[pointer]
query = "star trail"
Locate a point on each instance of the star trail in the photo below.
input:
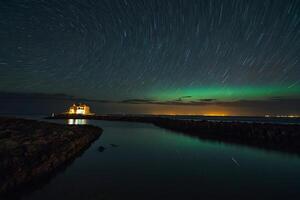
(185, 54)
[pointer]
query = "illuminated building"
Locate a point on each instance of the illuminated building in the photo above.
(79, 109)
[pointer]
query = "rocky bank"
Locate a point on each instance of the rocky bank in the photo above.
(31, 150)
(280, 137)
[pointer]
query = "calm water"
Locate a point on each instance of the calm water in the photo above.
(153, 163)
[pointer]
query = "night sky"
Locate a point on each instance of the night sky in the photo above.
(232, 57)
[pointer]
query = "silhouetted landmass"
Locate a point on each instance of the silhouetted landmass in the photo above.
(281, 137)
(31, 150)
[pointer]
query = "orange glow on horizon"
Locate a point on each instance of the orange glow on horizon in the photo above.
(211, 110)
(200, 114)
(216, 114)
(191, 112)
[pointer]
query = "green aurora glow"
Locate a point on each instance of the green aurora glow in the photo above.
(228, 93)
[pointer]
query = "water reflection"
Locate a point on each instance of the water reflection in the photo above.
(77, 121)
(154, 163)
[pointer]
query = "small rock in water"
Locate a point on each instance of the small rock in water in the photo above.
(114, 145)
(101, 149)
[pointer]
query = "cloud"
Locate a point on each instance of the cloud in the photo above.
(272, 104)
(45, 96)
(13, 95)
(275, 102)
(207, 100)
(137, 101)
(182, 98)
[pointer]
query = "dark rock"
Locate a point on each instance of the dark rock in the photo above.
(101, 148)
(281, 137)
(31, 150)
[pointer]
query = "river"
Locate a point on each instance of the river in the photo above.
(141, 161)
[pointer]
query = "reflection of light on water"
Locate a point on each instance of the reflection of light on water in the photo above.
(77, 121)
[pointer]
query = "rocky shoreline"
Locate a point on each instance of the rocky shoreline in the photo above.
(31, 150)
(280, 137)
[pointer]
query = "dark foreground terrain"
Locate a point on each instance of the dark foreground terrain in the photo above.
(31, 150)
(280, 137)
